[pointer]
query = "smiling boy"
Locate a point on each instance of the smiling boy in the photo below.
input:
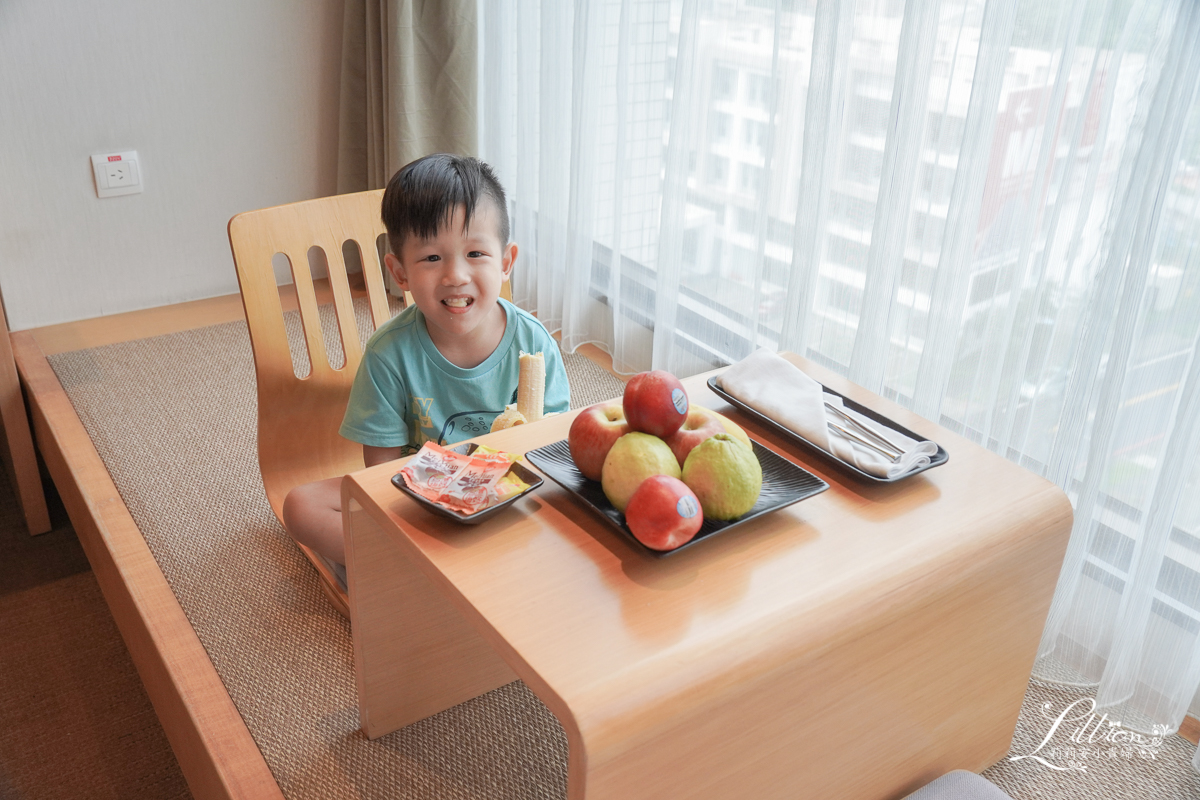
(447, 365)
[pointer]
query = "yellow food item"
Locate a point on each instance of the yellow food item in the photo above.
(531, 386)
(508, 486)
(509, 418)
(725, 475)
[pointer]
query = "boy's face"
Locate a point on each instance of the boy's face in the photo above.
(455, 276)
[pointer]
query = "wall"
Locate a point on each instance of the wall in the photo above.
(231, 105)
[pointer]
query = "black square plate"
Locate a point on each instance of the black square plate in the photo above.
(784, 483)
(520, 470)
(936, 460)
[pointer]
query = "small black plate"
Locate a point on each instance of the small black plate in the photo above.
(936, 460)
(524, 473)
(784, 483)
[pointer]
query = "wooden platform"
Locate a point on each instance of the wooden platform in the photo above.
(214, 748)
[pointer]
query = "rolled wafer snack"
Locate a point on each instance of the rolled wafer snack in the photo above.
(531, 394)
(531, 386)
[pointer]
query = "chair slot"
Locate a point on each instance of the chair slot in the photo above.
(332, 336)
(306, 303)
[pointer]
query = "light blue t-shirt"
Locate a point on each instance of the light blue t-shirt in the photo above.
(406, 393)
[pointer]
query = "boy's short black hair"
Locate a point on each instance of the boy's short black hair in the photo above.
(423, 195)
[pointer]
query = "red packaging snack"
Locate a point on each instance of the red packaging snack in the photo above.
(465, 484)
(471, 488)
(430, 471)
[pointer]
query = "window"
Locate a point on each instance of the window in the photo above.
(691, 245)
(718, 170)
(848, 253)
(781, 231)
(851, 210)
(719, 125)
(754, 134)
(869, 116)
(937, 182)
(928, 230)
(746, 220)
(863, 165)
(983, 286)
(944, 132)
(752, 178)
(842, 296)
(725, 81)
(717, 208)
(758, 90)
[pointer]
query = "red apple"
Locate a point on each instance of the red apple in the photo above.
(655, 403)
(699, 425)
(593, 434)
(663, 513)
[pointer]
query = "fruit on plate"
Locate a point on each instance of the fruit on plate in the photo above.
(725, 475)
(700, 424)
(655, 403)
(635, 457)
(592, 435)
(733, 429)
(663, 513)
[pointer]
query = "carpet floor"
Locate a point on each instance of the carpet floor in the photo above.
(174, 419)
(75, 721)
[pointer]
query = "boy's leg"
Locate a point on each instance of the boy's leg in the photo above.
(312, 515)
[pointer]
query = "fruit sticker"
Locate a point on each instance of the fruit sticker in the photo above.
(687, 507)
(679, 400)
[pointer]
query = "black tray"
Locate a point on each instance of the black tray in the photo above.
(524, 473)
(784, 483)
(936, 460)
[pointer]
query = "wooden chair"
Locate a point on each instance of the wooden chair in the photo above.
(298, 418)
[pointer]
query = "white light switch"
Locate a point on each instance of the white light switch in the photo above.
(117, 173)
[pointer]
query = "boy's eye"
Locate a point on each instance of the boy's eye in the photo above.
(432, 258)
(476, 254)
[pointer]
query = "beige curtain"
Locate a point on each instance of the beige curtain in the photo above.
(408, 86)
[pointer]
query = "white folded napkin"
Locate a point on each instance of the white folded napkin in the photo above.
(777, 389)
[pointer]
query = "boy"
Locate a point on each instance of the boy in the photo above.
(445, 367)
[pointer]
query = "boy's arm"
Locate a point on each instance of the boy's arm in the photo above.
(379, 455)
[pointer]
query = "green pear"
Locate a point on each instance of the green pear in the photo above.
(725, 475)
(633, 458)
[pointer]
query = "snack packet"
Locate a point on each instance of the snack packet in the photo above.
(471, 488)
(431, 470)
(508, 485)
(466, 484)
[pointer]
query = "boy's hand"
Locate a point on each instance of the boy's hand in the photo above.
(373, 456)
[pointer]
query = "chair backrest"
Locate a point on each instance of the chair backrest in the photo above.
(298, 418)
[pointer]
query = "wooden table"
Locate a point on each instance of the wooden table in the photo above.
(857, 644)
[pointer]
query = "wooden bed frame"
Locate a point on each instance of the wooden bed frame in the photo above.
(218, 757)
(216, 753)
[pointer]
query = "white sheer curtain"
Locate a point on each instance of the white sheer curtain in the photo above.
(987, 210)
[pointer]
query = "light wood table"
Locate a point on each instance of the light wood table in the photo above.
(856, 644)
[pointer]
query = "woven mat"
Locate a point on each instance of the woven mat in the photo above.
(173, 417)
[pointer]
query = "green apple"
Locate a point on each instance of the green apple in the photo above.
(725, 475)
(634, 457)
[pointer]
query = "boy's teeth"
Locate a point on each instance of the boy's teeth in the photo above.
(457, 302)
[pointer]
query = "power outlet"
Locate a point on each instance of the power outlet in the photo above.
(117, 173)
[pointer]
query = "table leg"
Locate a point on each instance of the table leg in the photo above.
(414, 654)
